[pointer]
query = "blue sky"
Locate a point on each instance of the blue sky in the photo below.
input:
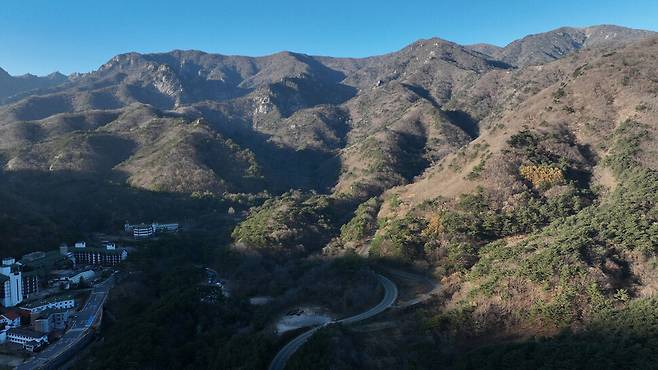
(41, 36)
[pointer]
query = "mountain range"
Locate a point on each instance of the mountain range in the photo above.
(190, 121)
(522, 177)
(15, 85)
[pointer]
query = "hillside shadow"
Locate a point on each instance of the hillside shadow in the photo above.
(322, 71)
(604, 347)
(458, 118)
(111, 149)
(464, 121)
(412, 162)
(41, 209)
(583, 177)
(293, 94)
(283, 167)
(286, 168)
(423, 93)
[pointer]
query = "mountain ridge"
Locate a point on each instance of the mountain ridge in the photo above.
(13, 85)
(548, 46)
(282, 107)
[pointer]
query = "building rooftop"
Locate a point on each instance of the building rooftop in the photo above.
(46, 301)
(46, 259)
(67, 274)
(26, 333)
(11, 315)
(100, 250)
(33, 256)
(49, 311)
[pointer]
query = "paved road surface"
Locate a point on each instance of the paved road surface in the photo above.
(80, 327)
(390, 295)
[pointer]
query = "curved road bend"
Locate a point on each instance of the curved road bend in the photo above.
(390, 295)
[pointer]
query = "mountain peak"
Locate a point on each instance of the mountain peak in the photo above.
(612, 34)
(4, 74)
(545, 47)
(56, 75)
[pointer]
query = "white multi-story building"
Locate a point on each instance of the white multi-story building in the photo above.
(148, 230)
(11, 283)
(143, 231)
(64, 302)
(165, 228)
(108, 255)
(22, 336)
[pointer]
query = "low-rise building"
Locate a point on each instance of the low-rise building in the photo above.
(10, 319)
(87, 276)
(33, 346)
(62, 302)
(64, 279)
(42, 325)
(50, 319)
(22, 336)
(165, 228)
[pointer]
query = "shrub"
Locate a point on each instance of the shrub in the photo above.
(477, 170)
(559, 93)
(401, 238)
(363, 223)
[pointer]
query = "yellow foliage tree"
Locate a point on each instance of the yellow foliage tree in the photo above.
(542, 174)
(434, 226)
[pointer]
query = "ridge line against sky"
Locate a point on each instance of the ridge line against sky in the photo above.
(44, 36)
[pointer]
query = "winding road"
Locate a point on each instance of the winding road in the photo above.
(390, 295)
